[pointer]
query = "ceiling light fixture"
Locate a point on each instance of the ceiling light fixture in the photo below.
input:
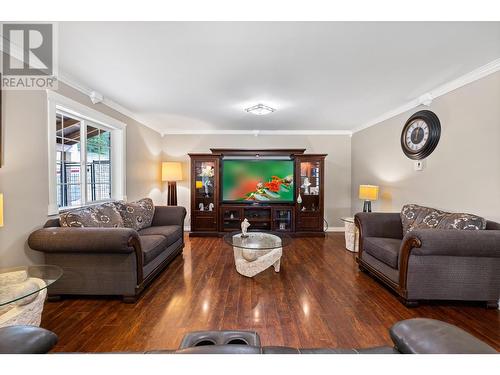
(260, 109)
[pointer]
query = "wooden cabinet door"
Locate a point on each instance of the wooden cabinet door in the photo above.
(204, 223)
(309, 185)
(204, 192)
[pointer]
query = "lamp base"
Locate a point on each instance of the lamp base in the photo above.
(172, 193)
(367, 206)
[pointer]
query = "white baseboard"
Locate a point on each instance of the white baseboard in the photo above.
(336, 229)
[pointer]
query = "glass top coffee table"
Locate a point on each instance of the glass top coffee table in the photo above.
(258, 251)
(21, 282)
(23, 291)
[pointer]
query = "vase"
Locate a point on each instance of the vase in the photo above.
(299, 199)
(206, 183)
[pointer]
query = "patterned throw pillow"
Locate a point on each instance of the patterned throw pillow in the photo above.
(418, 217)
(137, 215)
(101, 216)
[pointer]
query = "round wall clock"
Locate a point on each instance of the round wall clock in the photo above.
(420, 135)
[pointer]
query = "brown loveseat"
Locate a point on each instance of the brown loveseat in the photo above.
(427, 263)
(110, 261)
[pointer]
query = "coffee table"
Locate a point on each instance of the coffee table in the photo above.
(258, 251)
(23, 291)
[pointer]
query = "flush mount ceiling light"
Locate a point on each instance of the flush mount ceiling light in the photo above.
(260, 109)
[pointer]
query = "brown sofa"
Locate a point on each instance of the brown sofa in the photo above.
(411, 336)
(110, 261)
(431, 264)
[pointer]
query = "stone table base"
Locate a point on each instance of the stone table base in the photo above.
(263, 260)
(26, 311)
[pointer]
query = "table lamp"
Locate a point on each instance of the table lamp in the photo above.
(368, 193)
(171, 171)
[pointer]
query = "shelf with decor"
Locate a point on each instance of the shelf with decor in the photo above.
(283, 219)
(204, 194)
(310, 193)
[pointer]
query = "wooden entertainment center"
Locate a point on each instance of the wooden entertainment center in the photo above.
(211, 216)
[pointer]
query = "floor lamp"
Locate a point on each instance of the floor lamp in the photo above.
(171, 172)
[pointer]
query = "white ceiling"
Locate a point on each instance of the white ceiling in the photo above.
(199, 76)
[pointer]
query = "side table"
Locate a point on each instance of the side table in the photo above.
(351, 234)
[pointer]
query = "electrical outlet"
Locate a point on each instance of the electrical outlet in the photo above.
(419, 165)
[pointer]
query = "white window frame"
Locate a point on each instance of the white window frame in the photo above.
(57, 102)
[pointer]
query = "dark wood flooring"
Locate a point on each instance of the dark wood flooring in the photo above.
(319, 299)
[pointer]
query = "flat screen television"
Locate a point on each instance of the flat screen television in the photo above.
(257, 181)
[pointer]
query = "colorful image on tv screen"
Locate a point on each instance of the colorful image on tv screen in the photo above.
(257, 180)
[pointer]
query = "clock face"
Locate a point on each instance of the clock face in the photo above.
(420, 135)
(417, 135)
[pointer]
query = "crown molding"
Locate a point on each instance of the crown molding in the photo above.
(476, 74)
(119, 108)
(424, 99)
(107, 102)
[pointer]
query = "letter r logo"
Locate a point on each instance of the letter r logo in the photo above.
(28, 49)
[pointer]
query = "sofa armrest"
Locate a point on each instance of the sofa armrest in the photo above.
(84, 240)
(430, 336)
(461, 243)
(26, 340)
(379, 224)
(169, 215)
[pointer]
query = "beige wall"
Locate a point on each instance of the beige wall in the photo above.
(24, 173)
(337, 165)
(462, 174)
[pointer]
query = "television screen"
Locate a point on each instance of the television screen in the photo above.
(257, 181)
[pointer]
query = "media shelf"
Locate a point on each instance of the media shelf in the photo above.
(211, 216)
(276, 218)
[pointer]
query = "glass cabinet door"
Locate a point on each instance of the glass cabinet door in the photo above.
(283, 219)
(309, 189)
(204, 185)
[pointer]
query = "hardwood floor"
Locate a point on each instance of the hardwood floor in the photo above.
(319, 299)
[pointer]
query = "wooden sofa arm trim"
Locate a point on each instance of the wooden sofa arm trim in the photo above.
(360, 237)
(404, 258)
(136, 244)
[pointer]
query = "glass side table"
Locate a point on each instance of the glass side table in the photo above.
(23, 291)
(351, 234)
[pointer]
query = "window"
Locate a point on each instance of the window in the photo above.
(86, 153)
(83, 153)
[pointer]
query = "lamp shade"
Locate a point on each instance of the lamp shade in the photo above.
(171, 171)
(1, 210)
(368, 192)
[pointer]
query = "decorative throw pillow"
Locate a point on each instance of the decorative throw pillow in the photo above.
(137, 215)
(102, 216)
(418, 217)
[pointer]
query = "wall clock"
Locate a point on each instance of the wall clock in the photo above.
(420, 135)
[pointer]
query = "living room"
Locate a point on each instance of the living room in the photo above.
(258, 187)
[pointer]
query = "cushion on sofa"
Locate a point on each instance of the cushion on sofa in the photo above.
(102, 216)
(171, 232)
(418, 217)
(384, 249)
(152, 246)
(137, 215)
